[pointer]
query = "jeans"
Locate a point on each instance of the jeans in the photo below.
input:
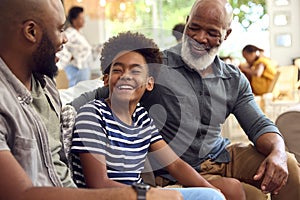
(76, 75)
(199, 193)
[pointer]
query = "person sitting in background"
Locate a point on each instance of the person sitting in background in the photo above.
(122, 130)
(76, 57)
(259, 69)
(177, 31)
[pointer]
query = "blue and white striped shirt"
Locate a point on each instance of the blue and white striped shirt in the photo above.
(98, 130)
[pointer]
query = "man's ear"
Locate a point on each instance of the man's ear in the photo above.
(150, 83)
(30, 30)
(227, 33)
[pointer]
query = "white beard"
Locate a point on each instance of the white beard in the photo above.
(198, 62)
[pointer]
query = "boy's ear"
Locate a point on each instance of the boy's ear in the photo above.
(105, 79)
(150, 83)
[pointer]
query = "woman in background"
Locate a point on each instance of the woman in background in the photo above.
(76, 56)
(259, 69)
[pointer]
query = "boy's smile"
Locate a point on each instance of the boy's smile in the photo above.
(129, 78)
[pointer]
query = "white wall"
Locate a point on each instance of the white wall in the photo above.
(94, 30)
(285, 55)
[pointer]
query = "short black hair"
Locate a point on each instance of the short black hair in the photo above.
(74, 12)
(177, 31)
(128, 41)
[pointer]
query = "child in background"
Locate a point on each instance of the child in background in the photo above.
(259, 69)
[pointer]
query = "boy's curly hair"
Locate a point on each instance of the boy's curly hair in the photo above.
(128, 41)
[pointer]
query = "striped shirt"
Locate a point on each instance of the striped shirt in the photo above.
(98, 130)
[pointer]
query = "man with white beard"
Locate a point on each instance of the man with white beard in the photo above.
(204, 58)
(194, 94)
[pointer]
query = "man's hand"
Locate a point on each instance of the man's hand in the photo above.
(273, 171)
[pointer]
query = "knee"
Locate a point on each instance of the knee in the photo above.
(230, 187)
(231, 182)
(235, 184)
(235, 189)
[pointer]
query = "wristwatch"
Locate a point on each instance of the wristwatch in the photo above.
(141, 189)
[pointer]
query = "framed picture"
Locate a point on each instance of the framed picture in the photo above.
(281, 2)
(283, 40)
(281, 18)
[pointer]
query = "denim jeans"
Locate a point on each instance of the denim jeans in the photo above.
(199, 193)
(76, 75)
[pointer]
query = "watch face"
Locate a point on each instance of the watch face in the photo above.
(141, 186)
(141, 190)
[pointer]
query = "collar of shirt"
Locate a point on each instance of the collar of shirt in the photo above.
(24, 95)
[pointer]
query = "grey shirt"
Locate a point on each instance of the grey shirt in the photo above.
(189, 109)
(23, 132)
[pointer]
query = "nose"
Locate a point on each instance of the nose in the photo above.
(201, 37)
(126, 76)
(65, 38)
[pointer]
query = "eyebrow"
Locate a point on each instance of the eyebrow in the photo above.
(132, 65)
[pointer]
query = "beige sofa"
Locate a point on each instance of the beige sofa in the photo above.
(289, 125)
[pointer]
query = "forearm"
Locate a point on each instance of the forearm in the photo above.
(186, 175)
(52, 193)
(270, 143)
(105, 184)
(246, 70)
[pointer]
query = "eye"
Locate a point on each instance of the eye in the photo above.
(213, 34)
(136, 71)
(116, 70)
(63, 27)
(193, 28)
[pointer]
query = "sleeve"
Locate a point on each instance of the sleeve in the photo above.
(155, 134)
(89, 135)
(249, 115)
(270, 69)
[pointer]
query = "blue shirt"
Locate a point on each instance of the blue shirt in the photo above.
(98, 130)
